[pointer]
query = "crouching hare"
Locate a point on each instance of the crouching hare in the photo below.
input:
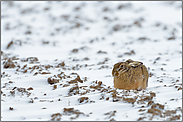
(130, 75)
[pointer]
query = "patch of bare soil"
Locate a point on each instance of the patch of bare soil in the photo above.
(19, 91)
(85, 100)
(110, 114)
(67, 112)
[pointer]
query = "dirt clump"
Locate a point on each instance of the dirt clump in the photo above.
(132, 52)
(158, 106)
(86, 59)
(176, 117)
(124, 6)
(20, 91)
(62, 64)
(3, 75)
(71, 111)
(56, 117)
(140, 110)
(9, 64)
(82, 99)
(31, 101)
(103, 62)
(143, 39)
(30, 88)
(105, 9)
(75, 50)
(171, 38)
(10, 108)
(73, 91)
(48, 66)
(52, 80)
(54, 87)
(31, 60)
(150, 103)
(9, 45)
(78, 79)
(129, 100)
(117, 27)
(96, 87)
(110, 114)
(140, 118)
(43, 73)
(28, 32)
(169, 112)
(102, 52)
(85, 100)
(151, 74)
(154, 111)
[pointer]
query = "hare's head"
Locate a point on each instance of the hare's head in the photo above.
(122, 67)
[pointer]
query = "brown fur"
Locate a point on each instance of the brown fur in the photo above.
(130, 77)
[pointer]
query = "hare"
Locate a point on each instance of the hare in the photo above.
(130, 75)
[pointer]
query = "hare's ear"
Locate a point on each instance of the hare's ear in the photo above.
(135, 64)
(117, 65)
(129, 61)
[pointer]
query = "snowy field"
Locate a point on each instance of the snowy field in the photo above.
(57, 60)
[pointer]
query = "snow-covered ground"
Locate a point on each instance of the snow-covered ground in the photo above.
(57, 60)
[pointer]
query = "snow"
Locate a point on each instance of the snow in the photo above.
(57, 28)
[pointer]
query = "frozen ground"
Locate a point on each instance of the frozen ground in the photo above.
(57, 59)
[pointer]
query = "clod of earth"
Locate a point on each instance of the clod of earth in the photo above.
(56, 117)
(10, 108)
(9, 45)
(9, 64)
(30, 88)
(102, 52)
(52, 80)
(74, 90)
(78, 79)
(75, 50)
(111, 113)
(130, 53)
(82, 99)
